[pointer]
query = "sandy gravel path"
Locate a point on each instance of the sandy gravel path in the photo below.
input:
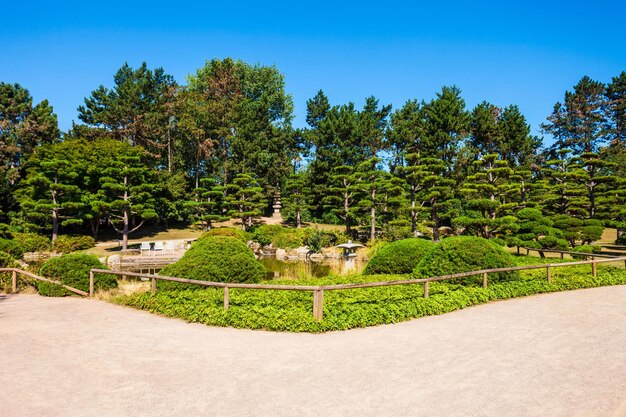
(551, 355)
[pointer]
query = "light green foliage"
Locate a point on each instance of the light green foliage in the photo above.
(291, 311)
(12, 247)
(32, 242)
(68, 244)
(228, 231)
(465, 254)
(216, 258)
(400, 257)
(73, 271)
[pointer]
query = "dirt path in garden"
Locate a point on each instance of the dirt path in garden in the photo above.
(553, 355)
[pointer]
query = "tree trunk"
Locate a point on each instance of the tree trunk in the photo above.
(125, 229)
(413, 214)
(346, 207)
(55, 223)
(298, 220)
(435, 220)
(373, 217)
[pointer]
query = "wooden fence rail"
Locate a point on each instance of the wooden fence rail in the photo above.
(16, 271)
(565, 252)
(318, 290)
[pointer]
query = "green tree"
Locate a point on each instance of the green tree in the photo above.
(137, 110)
(296, 195)
(487, 194)
(379, 191)
(127, 188)
(580, 122)
(23, 127)
(405, 133)
(342, 194)
(244, 199)
(52, 194)
(446, 126)
(208, 204)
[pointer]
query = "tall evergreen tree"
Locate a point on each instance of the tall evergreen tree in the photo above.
(580, 122)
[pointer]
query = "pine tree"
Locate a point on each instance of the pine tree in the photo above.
(208, 203)
(244, 199)
(379, 191)
(295, 196)
(487, 193)
(343, 194)
(52, 194)
(127, 189)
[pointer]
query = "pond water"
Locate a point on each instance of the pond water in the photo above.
(288, 269)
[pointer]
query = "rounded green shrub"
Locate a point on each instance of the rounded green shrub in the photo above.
(69, 244)
(32, 242)
(227, 231)
(398, 257)
(73, 271)
(464, 254)
(7, 261)
(12, 247)
(215, 258)
(590, 249)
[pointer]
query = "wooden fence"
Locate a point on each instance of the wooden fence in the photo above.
(564, 252)
(16, 271)
(318, 290)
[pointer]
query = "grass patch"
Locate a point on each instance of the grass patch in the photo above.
(292, 311)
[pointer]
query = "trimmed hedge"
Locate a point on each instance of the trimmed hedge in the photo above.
(291, 310)
(216, 258)
(464, 254)
(32, 242)
(73, 270)
(12, 247)
(69, 244)
(227, 231)
(399, 257)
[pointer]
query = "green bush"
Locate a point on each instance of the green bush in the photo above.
(32, 242)
(228, 231)
(7, 261)
(591, 249)
(265, 234)
(216, 258)
(73, 271)
(291, 310)
(464, 254)
(399, 257)
(69, 244)
(12, 247)
(318, 238)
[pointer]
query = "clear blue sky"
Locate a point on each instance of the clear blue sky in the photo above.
(525, 53)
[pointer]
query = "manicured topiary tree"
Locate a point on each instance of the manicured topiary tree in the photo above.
(227, 231)
(399, 257)
(73, 271)
(216, 258)
(464, 254)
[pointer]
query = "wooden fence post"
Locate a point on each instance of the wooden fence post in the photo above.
(14, 282)
(484, 280)
(226, 298)
(549, 273)
(561, 255)
(91, 279)
(425, 289)
(153, 286)
(594, 267)
(318, 304)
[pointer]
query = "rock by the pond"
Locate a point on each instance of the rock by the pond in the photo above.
(281, 253)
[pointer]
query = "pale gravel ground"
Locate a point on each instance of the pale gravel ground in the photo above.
(552, 355)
